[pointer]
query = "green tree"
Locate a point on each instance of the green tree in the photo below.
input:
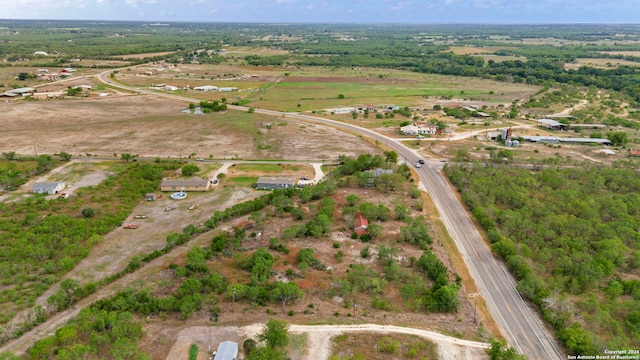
(73, 91)
(618, 138)
(305, 256)
(267, 353)
(391, 156)
(275, 334)
(352, 199)
(401, 212)
(577, 339)
(389, 182)
(285, 292)
(190, 169)
(374, 230)
(88, 212)
(504, 154)
(500, 351)
(126, 157)
(9, 155)
(65, 155)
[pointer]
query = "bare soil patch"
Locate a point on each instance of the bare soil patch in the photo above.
(599, 63)
(151, 127)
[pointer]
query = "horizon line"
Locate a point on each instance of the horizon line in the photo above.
(331, 23)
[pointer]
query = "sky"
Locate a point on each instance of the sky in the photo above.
(329, 11)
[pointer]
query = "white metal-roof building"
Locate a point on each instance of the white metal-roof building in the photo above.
(556, 139)
(551, 124)
(206, 88)
(21, 91)
(227, 350)
(47, 187)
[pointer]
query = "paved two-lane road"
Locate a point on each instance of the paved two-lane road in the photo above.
(520, 325)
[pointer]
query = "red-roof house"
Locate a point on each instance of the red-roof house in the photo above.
(361, 224)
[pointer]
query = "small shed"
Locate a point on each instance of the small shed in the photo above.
(379, 171)
(227, 350)
(273, 183)
(150, 197)
(361, 224)
(47, 187)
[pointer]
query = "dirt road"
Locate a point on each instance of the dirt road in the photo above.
(319, 339)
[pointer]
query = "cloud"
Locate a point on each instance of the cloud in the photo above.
(134, 3)
(400, 5)
(486, 3)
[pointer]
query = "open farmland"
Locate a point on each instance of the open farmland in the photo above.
(437, 78)
(150, 127)
(603, 63)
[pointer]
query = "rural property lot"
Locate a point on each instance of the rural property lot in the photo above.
(151, 127)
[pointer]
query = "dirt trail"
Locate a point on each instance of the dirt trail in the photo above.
(319, 173)
(319, 339)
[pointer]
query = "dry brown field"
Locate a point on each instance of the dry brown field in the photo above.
(624, 53)
(151, 127)
(599, 63)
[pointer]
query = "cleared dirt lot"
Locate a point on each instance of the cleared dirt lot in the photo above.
(147, 126)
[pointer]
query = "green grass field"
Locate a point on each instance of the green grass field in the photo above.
(240, 180)
(266, 168)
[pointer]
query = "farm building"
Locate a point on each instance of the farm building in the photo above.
(227, 89)
(551, 124)
(206, 88)
(556, 140)
(273, 183)
(48, 95)
(150, 197)
(587, 126)
(227, 350)
(24, 91)
(47, 187)
(345, 110)
(185, 185)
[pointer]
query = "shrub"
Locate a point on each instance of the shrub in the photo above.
(388, 345)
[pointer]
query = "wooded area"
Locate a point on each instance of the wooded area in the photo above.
(570, 236)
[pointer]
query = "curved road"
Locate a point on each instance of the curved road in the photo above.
(520, 325)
